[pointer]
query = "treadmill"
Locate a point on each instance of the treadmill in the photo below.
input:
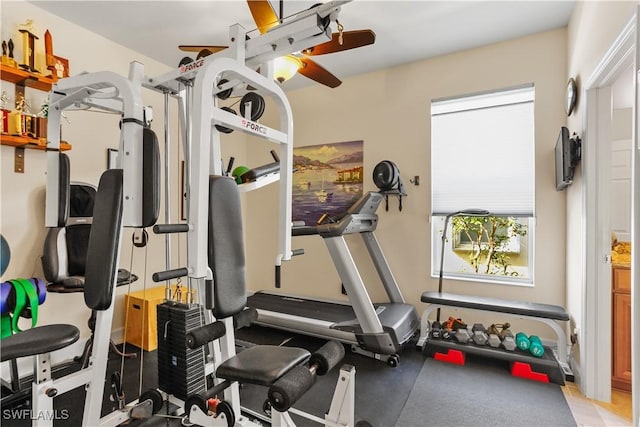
(375, 330)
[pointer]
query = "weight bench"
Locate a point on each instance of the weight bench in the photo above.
(546, 313)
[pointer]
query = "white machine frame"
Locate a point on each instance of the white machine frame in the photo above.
(111, 92)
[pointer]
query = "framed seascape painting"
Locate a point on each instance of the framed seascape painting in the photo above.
(327, 180)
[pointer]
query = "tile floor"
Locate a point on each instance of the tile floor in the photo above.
(592, 413)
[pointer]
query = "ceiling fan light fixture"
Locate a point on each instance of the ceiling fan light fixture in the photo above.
(285, 67)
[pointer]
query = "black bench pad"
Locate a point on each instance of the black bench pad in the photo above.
(523, 308)
(262, 364)
(39, 340)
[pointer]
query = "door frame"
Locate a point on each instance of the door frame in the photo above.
(595, 351)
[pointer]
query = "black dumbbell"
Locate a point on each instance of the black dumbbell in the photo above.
(436, 330)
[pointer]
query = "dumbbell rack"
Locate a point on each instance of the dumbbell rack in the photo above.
(545, 368)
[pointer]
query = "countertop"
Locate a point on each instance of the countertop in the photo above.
(621, 255)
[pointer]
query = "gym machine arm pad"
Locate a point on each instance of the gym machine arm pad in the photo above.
(285, 392)
(205, 334)
(161, 276)
(170, 228)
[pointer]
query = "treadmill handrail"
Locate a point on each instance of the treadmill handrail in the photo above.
(349, 224)
(360, 218)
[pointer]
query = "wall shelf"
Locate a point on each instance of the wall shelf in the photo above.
(27, 142)
(25, 78)
(22, 79)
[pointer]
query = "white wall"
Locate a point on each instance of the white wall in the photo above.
(621, 149)
(592, 29)
(389, 111)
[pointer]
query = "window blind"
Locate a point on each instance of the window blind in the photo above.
(482, 153)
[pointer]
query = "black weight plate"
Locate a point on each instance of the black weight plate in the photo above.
(226, 409)
(225, 93)
(197, 400)
(225, 129)
(155, 396)
(184, 61)
(257, 105)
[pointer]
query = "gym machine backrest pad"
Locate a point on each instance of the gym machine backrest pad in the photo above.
(150, 178)
(63, 186)
(102, 253)
(226, 249)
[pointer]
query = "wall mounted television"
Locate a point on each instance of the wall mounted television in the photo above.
(567, 156)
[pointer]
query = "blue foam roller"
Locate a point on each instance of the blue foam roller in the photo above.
(5, 254)
(5, 291)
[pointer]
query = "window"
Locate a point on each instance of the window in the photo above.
(482, 185)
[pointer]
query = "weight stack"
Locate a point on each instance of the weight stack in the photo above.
(180, 369)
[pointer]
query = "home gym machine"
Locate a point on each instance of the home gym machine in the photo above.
(128, 197)
(214, 240)
(374, 330)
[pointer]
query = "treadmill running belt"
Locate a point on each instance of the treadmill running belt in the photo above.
(307, 308)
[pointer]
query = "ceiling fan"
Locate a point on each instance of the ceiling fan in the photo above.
(266, 18)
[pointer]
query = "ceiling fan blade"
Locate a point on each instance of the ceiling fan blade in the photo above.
(314, 71)
(263, 14)
(198, 48)
(350, 40)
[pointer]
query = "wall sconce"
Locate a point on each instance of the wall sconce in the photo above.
(285, 67)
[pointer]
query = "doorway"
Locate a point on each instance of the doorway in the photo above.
(596, 350)
(620, 180)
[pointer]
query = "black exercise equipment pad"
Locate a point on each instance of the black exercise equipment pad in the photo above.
(76, 284)
(522, 308)
(262, 365)
(40, 340)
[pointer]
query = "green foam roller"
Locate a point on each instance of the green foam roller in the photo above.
(238, 172)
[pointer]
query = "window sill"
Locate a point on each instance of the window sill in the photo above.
(525, 283)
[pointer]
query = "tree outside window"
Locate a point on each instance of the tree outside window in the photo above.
(488, 242)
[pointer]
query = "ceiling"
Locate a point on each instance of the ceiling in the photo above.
(406, 31)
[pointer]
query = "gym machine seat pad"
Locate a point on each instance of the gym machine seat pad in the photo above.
(40, 340)
(258, 366)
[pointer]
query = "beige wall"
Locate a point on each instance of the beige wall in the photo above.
(389, 110)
